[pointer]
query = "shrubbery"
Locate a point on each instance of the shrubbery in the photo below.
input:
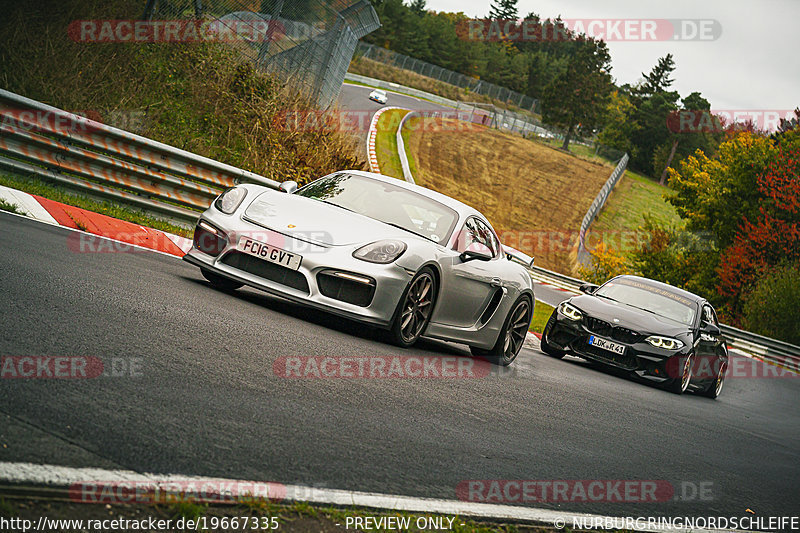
(772, 308)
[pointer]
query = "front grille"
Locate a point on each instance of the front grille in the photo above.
(265, 269)
(601, 327)
(605, 329)
(346, 290)
(625, 361)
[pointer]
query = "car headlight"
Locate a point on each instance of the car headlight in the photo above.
(570, 311)
(230, 200)
(381, 251)
(668, 343)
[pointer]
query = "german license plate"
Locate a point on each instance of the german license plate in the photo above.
(607, 345)
(269, 253)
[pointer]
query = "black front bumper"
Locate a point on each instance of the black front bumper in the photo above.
(640, 357)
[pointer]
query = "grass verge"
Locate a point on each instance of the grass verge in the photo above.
(582, 151)
(57, 194)
(11, 208)
(296, 517)
(534, 196)
(541, 313)
(386, 143)
(206, 98)
(619, 223)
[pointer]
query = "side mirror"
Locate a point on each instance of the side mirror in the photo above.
(588, 288)
(288, 186)
(710, 329)
(470, 255)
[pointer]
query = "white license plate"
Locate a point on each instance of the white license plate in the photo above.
(269, 253)
(607, 345)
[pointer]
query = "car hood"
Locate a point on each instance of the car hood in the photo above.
(317, 222)
(629, 317)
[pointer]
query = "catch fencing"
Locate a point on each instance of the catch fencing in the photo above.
(99, 160)
(309, 45)
(496, 92)
(502, 119)
(597, 205)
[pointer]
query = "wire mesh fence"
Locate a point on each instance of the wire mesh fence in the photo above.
(308, 43)
(496, 92)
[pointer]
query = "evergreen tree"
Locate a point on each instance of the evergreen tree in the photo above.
(503, 10)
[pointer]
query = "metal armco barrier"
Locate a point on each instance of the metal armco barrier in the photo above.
(597, 205)
(89, 156)
(401, 148)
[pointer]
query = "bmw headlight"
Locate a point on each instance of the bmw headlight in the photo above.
(570, 311)
(381, 251)
(668, 343)
(230, 200)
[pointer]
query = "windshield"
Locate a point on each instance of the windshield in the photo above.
(385, 202)
(654, 299)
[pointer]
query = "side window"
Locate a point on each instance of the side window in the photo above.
(476, 236)
(709, 315)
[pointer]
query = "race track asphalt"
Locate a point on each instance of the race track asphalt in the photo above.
(206, 401)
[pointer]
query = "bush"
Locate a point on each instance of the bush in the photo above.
(605, 264)
(205, 98)
(771, 308)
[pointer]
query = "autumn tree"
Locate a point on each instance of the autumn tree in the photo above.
(576, 99)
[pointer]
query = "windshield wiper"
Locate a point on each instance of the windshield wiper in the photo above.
(606, 297)
(333, 204)
(398, 226)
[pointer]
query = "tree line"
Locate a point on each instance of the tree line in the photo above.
(569, 73)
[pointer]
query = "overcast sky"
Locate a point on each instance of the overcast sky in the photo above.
(754, 65)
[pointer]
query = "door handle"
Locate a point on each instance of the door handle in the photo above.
(496, 282)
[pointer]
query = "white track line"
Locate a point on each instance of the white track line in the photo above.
(64, 476)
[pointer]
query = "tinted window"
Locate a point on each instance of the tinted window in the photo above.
(385, 202)
(654, 299)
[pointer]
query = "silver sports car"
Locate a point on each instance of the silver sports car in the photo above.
(373, 249)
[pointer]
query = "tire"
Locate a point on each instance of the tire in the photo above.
(414, 309)
(512, 336)
(714, 388)
(679, 384)
(220, 282)
(547, 348)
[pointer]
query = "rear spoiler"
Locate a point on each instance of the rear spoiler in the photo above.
(512, 254)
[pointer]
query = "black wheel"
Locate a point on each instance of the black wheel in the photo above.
(414, 309)
(714, 388)
(680, 383)
(220, 282)
(511, 337)
(547, 348)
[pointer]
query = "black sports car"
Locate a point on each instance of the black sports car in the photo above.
(655, 331)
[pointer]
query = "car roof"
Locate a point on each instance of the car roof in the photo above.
(463, 209)
(664, 286)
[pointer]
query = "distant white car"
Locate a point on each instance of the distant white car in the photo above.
(378, 95)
